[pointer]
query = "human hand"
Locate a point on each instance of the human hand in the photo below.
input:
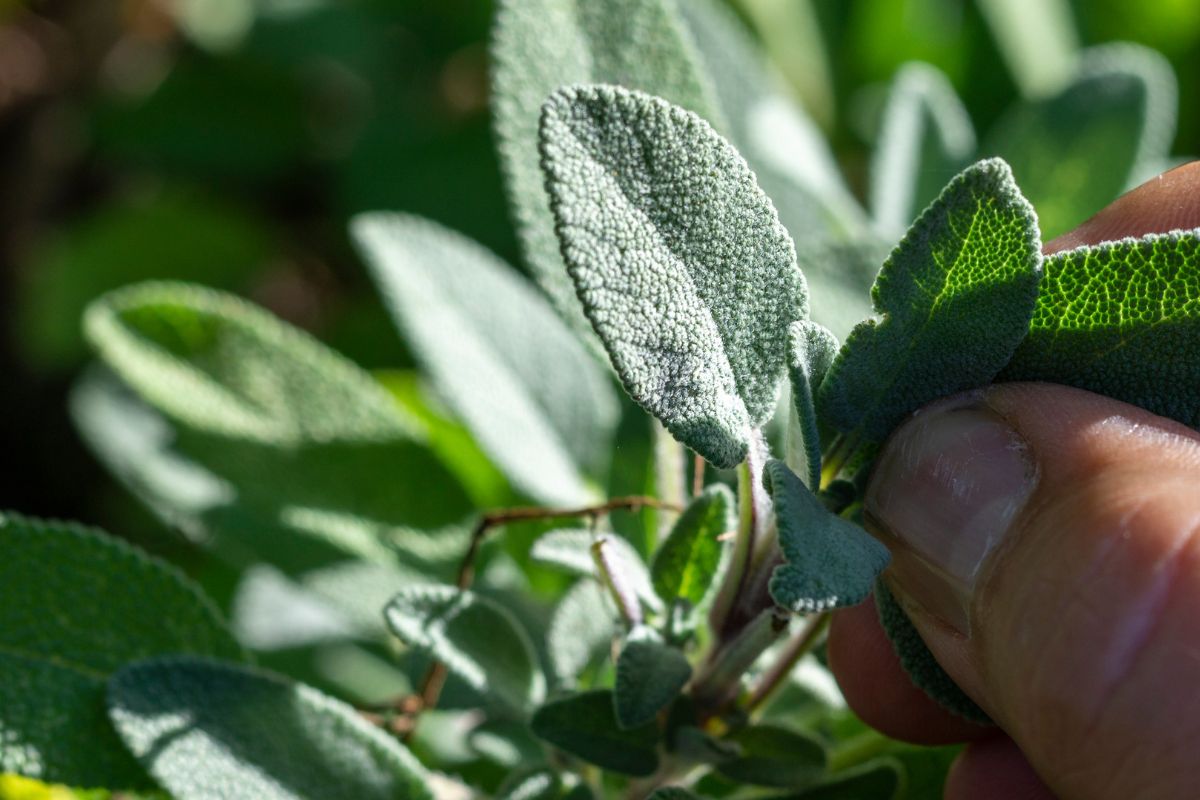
(1045, 545)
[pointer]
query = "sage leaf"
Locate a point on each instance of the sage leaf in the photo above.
(1119, 112)
(477, 639)
(1037, 40)
(878, 779)
(956, 297)
(672, 793)
(581, 630)
(771, 755)
(650, 675)
(686, 563)
(208, 729)
(922, 668)
(75, 605)
(585, 725)
(673, 249)
(497, 352)
(926, 138)
(540, 45)
(812, 351)
(571, 549)
(830, 561)
(1121, 319)
(300, 456)
(537, 783)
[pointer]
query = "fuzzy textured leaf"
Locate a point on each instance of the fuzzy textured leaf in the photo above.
(679, 259)
(296, 452)
(956, 297)
(208, 729)
(477, 639)
(830, 561)
(686, 563)
(650, 676)
(571, 549)
(540, 45)
(581, 629)
(585, 725)
(497, 352)
(812, 350)
(926, 139)
(75, 605)
(771, 755)
(919, 663)
(1118, 112)
(1121, 319)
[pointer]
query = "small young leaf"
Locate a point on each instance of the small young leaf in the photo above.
(1121, 319)
(812, 350)
(208, 729)
(585, 725)
(919, 663)
(497, 352)
(774, 756)
(831, 562)
(571, 549)
(686, 563)
(536, 783)
(540, 45)
(674, 250)
(1118, 112)
(581, 630)
(650, 676)
(75, 605)
(957, 294)
(477, 639)
(879, 779)
(925, 140)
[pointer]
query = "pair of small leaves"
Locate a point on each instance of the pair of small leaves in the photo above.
(673, 249)
(497, 352)
(477, 639)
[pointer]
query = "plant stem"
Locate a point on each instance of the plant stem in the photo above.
(752, 508)
(716, 686)
(613, 579)
(801, 643)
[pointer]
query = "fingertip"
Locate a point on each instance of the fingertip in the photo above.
(994, 769)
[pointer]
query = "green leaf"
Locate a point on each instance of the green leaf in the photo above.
(925, 140)
(1121, 319)
(497, 353)
(674, 251)
(571, 549)
(538, 783)
(919, 663)
(956, 296)
(831, 562)
(75, 605)
(686, 563)
(1037, 39)
(506, 742)
(585, 725)
(879, 779)
(298, 454)
(812, 350)
(581, 630)
(650, 676)
(477, 639)
(774, 756)
(208, 729)
(540, 45)
(1118, 112)
(672, 793)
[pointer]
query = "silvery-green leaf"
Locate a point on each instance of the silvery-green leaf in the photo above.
(75, 605)
(955, 296)
(571, 549)
(830, 561)
(878, 779)
(536, 783)
(812, 349)
(1037, 39)
(771, 755)
(1076, 151)
(477, 639)
(925, 140)
(686, 563)
(679, 259)
(209, 729)
(585, 725)
(540, 45)
(581, 630)
(534, 398)
(650, 675)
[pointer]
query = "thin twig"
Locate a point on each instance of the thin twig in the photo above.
(801, 643)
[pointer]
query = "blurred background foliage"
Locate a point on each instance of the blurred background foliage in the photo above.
(227, 142)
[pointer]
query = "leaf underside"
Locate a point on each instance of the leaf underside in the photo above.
(812, 351)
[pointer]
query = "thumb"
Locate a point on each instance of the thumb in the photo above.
(1044, 543)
